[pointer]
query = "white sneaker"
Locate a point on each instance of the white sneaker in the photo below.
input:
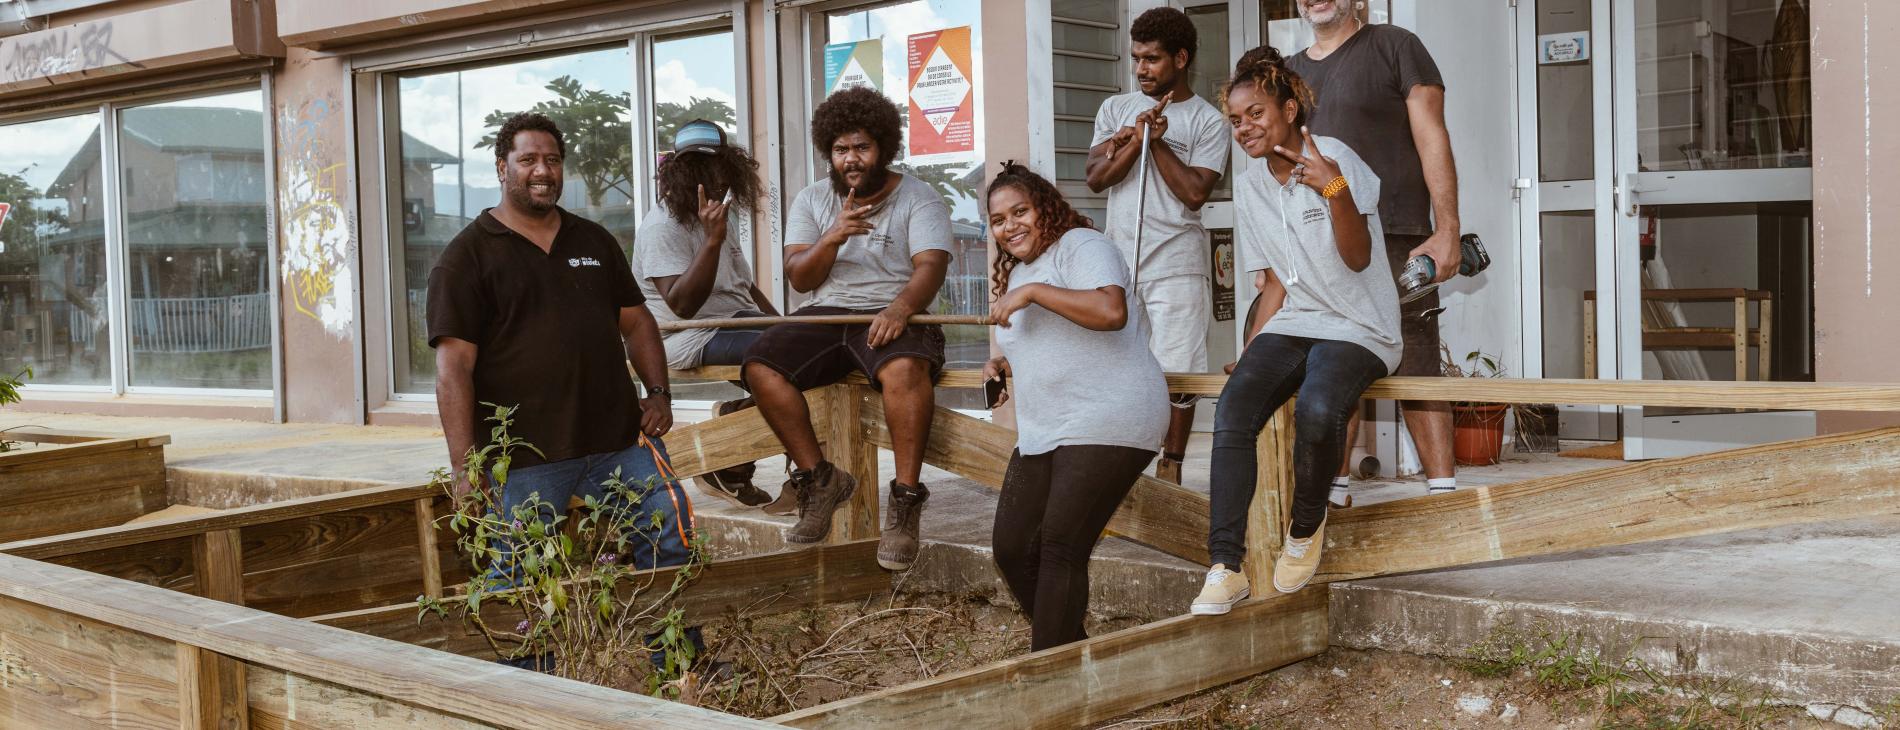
(1222, 589)
(1339, 497)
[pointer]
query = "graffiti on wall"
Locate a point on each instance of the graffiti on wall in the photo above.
(316, 224)
(71, 49)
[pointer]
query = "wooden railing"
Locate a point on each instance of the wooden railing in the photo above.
(356, 560)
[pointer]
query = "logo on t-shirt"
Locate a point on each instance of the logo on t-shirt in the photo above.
(1312, 215)
(582, 261)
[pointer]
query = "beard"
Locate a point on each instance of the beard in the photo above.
(518, 193)
(874, 180)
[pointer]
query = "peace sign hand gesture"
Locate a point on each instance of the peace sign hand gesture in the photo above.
(1314, 172)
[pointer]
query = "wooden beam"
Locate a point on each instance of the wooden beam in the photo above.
(1831, 477)
(61, 489)
(840, 319)
(211, 691)
(469, 689)
(849, 449)
(110, 537)
(431, 555)
(1099, 678)
(737, 438)
(218, 559)
(1272, 508)
(771, 583)
(1155, 513)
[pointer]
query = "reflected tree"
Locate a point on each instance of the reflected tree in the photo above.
(668, 117)
(599, 132)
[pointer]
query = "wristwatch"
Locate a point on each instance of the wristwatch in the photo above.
(660, 391)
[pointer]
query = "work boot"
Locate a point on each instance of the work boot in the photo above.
(897, 546)
(787, 502)
(821, 492)
(1299, 561)
(1219, 592)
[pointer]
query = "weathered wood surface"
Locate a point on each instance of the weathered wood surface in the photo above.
(762, 584)
(1098, 678)
(63, 670)
(331, 562)
(366, 666)
(211, 691)
(848, 449)
(33, 435)
(1155, 513)
(761, 322)
(1831, 477)
(1271, 511)
(79, 486)
(1678, 393)
(737, 438)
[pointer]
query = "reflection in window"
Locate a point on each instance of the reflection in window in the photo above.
(448, 120)
(1723, 85)
(196, 235)
(52, 253)
(1212, 63)
(955, 175)
(1087, 44)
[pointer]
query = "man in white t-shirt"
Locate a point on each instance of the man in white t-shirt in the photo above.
(689, 261)
(1187, 145)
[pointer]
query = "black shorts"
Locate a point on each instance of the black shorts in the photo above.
(816, 355)
(1420, 334)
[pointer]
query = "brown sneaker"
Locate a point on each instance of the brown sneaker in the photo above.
(733, 484)
(787, 502)
(897, 547)
(823, 491)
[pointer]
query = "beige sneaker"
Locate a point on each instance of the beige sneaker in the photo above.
(1223, 589)
(1298, 561)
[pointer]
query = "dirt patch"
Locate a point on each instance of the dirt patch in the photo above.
(1346, 688)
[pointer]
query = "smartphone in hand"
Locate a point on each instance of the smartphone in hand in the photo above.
(993, 391)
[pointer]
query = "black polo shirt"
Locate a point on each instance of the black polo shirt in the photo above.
(547, 331)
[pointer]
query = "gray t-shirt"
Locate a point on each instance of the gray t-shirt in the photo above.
(1172, 239)
(1289, 228)
(1074, 385)
(871, 269)
(662, 248)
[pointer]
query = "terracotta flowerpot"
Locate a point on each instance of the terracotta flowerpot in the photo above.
(1477, 433)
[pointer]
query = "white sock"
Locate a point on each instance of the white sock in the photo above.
(1339, 493)
(1441, 484)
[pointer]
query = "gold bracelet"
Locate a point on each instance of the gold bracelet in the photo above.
(1333, 188)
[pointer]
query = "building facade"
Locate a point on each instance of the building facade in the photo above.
(230, 208)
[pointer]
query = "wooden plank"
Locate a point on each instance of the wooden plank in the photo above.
(413, 676)
(57, 436)
(331, 562)
(90, 540)
(211, 692)
(1831, 477)
(759, 322)
(73, 451)
(62, 670)
(280, 700)
(849, 449)
(80, 491)
(428, 552)
(1099, 678)
(167, 564)
(1155, 513)
(1741, 341)
(1765, 341)
(1272, 508)
(735, 438)
(1694, 295)
(218, 559)
(771, 583)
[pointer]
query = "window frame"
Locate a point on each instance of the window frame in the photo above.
(117, 252)
(373, 80)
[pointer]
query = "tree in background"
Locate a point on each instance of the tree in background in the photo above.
(598, 130)
(668, 117)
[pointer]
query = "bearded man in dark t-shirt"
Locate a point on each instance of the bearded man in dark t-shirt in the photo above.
(1379, 91)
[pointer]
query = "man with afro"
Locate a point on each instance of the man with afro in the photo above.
(865, 240)
(1187, 150)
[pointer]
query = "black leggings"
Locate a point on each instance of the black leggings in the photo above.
(1051, 513)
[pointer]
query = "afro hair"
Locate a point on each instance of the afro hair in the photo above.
(859, 109)
(1168, 26)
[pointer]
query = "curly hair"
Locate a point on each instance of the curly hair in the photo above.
(859, 109)
(524, 122)
(1266, 69)
(1054, 217)
(1168, 26)
(727, 167)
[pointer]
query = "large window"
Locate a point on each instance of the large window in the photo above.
(901, 36)
(53, 303)
(144, 263)
(1088, 44)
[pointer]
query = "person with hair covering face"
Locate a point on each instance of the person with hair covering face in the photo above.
(691, 265)
(1327, 325)
(1092, 397)
(865, 240)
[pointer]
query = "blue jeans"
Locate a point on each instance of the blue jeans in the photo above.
(560, 481)
(1329, 376)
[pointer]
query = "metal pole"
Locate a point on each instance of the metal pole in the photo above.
(1141, 200)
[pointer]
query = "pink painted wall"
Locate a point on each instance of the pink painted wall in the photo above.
(1856, 197)
(318, 246)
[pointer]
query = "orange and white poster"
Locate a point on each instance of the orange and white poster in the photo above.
(942, 108)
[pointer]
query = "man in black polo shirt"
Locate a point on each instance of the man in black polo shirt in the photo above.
(534, 307)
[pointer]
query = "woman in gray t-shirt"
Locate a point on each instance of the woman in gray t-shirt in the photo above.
(1091, 399)
(1309, 224)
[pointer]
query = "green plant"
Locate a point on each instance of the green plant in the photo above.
(10, 394)
(559, 586)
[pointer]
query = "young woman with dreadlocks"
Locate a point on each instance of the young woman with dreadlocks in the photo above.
(1328, 324)
(1091, 399)
(690, 265)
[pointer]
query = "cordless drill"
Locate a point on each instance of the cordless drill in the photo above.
(1421, 271)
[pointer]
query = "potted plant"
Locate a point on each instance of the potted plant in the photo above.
(1477, 428)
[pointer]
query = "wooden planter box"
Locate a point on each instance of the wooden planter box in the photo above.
(75, 481)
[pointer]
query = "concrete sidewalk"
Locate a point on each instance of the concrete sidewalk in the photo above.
(1811, 613)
